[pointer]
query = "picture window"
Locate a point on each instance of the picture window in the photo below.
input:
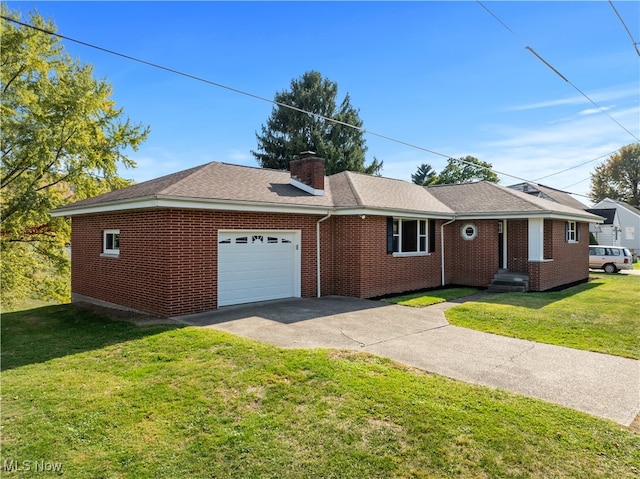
(409, 236)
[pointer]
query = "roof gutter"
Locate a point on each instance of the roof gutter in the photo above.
(168, 202)
(442, 247)
(318, 251)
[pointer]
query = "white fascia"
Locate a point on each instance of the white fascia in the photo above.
(555, 215)
(161, 202)
(396, 213)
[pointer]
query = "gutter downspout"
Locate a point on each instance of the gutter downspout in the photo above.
(442, 247)
(318, 250)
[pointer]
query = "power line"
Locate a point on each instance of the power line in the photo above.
(251, 95)
(257, 97)
(557, 72)
(576, 183)
(579, 165)
(220, 85)
(634, 43)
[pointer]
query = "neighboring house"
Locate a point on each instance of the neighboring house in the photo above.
(221, 234)
(609, 232)
(629, 218)
(548, 193)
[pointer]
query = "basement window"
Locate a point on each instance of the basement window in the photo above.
(111, 242)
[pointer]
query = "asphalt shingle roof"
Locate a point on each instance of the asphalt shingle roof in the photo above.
(486, 198)
(546, 192)
(358, 189)
(221, 182)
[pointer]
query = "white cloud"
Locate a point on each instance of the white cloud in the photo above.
(591, 111)
(580, 142)
(619, 92)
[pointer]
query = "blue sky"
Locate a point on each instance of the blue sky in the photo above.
(445, 76)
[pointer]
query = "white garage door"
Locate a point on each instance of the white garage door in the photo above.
(257, 266)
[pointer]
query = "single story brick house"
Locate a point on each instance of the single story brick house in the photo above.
(221, 234)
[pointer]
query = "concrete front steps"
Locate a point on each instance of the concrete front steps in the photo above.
(506, 282)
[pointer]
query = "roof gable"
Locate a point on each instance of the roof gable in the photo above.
(608, 214)
(622, 204)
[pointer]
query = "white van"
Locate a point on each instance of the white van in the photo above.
(610, 258)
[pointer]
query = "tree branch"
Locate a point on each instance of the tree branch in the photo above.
(18, 73)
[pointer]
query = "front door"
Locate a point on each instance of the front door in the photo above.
(501, 262)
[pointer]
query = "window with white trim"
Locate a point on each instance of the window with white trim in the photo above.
(409, 236)
(111, 242)
(572, 232)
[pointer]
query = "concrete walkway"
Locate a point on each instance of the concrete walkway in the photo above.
(599, 384)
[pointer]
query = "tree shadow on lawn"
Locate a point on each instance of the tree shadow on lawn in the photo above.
(532, 299)
(40, 334)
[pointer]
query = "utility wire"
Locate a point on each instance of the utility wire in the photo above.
(635, 44)
(576, 183)
(220, 85)
(280, 104)
(579, 165)
(251, 95)
(539, 57)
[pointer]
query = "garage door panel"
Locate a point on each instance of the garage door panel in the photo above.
(257, 266)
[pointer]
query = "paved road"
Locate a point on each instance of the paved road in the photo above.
(599, 384)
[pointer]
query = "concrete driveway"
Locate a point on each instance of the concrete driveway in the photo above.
(599, 384)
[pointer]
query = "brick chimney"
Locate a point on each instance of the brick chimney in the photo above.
(307, 173)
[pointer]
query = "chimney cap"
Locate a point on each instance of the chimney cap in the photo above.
(307, 154)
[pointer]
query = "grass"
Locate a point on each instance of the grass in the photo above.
(422, 299)
(601, 315)
(103, 398)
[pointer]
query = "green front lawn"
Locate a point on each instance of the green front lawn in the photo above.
(103, 398)
(419, 300)
(601, 315)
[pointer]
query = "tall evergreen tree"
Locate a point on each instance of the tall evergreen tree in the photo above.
(289, 132)
(425, 175)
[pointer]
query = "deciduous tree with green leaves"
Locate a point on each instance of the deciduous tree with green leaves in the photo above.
(62, 140)
(466, 170)
(618, 178)
(288, 132)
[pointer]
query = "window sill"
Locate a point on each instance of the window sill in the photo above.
(401, 255)
(109, 255)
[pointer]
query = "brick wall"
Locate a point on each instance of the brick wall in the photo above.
(168, 258)
(363, 268)
(570, 263)
(471, 262)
